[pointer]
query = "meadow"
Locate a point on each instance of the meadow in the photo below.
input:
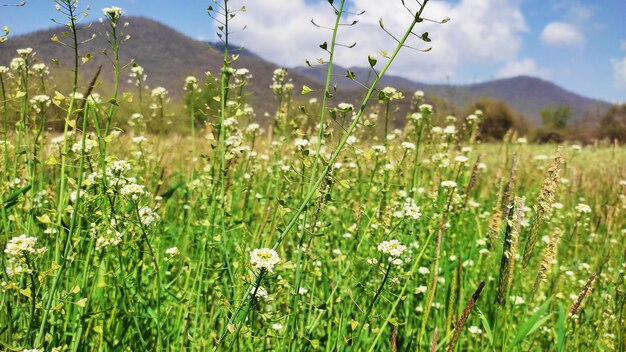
(329, 226)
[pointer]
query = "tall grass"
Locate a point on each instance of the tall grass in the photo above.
(322, 231)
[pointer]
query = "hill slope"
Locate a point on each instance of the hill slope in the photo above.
(166, 55)
(169, 56)
(525, 94)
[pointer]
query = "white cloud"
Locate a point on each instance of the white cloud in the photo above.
(480, 31)
(525, 67)
(619, 73)
(562, 34)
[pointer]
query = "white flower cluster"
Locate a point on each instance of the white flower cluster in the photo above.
(583, 208)
(264, 258)
(148, 216)
(134, 190)
(112, 13)
(409, 210)
(89, 145)
(278, 80)
(159, 93)
(448, 184)
(17, 250)
(41, 69)
(301, 144)
(111, 238)
(136, 75)
(40, 102)
(394, 249)
(191, 83)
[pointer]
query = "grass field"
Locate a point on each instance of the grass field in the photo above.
(324, 229)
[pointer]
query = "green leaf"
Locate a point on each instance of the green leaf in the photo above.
(12, 200)
(532, 324)
(372, 60)
(560, 330)
(306, 90)
(486, 326)
(350, 75)
(324, 45)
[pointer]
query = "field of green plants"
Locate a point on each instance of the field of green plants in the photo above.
(323, 228)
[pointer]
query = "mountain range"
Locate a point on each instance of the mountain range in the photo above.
(168, 56)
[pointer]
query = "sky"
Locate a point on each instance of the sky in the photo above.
(579, 45)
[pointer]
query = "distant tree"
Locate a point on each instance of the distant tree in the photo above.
(498, 118)
(613, 124)
(555, 117)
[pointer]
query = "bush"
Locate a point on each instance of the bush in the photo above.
(613, 124)
(498, 118)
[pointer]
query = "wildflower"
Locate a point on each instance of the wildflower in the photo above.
(119, 167)
(416, 116)
(17, 64)
(426, 108)
(3, 70)
(172, 251)
(110, 238)
(191, 83)
(147, 216)
(301, 144)
(407, 146)
(140, 140)
(379, 149)
(277, 326)
(40, 102)
(471, 118)
(253, 127)
(17, 250)
(390, 93)
(422, 270)
(265, 258)
(474, 330)
(461, 159)
(243, 72)
(419, 94)
(41, 69)
(134, 190)
(24, 52)
(448, 184)
(583, 208)
(345, 107)
(420, 289)
(21, 246)
(450, 129)
(112, 13)
(159, 92)
(409, 210)
(89, 145)
(392, 248)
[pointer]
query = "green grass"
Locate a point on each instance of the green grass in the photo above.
(146, 244)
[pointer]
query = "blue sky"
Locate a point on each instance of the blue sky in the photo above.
(580, 45)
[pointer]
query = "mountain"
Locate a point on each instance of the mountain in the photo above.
(166, 55)
(525, 94)
(169, 56)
